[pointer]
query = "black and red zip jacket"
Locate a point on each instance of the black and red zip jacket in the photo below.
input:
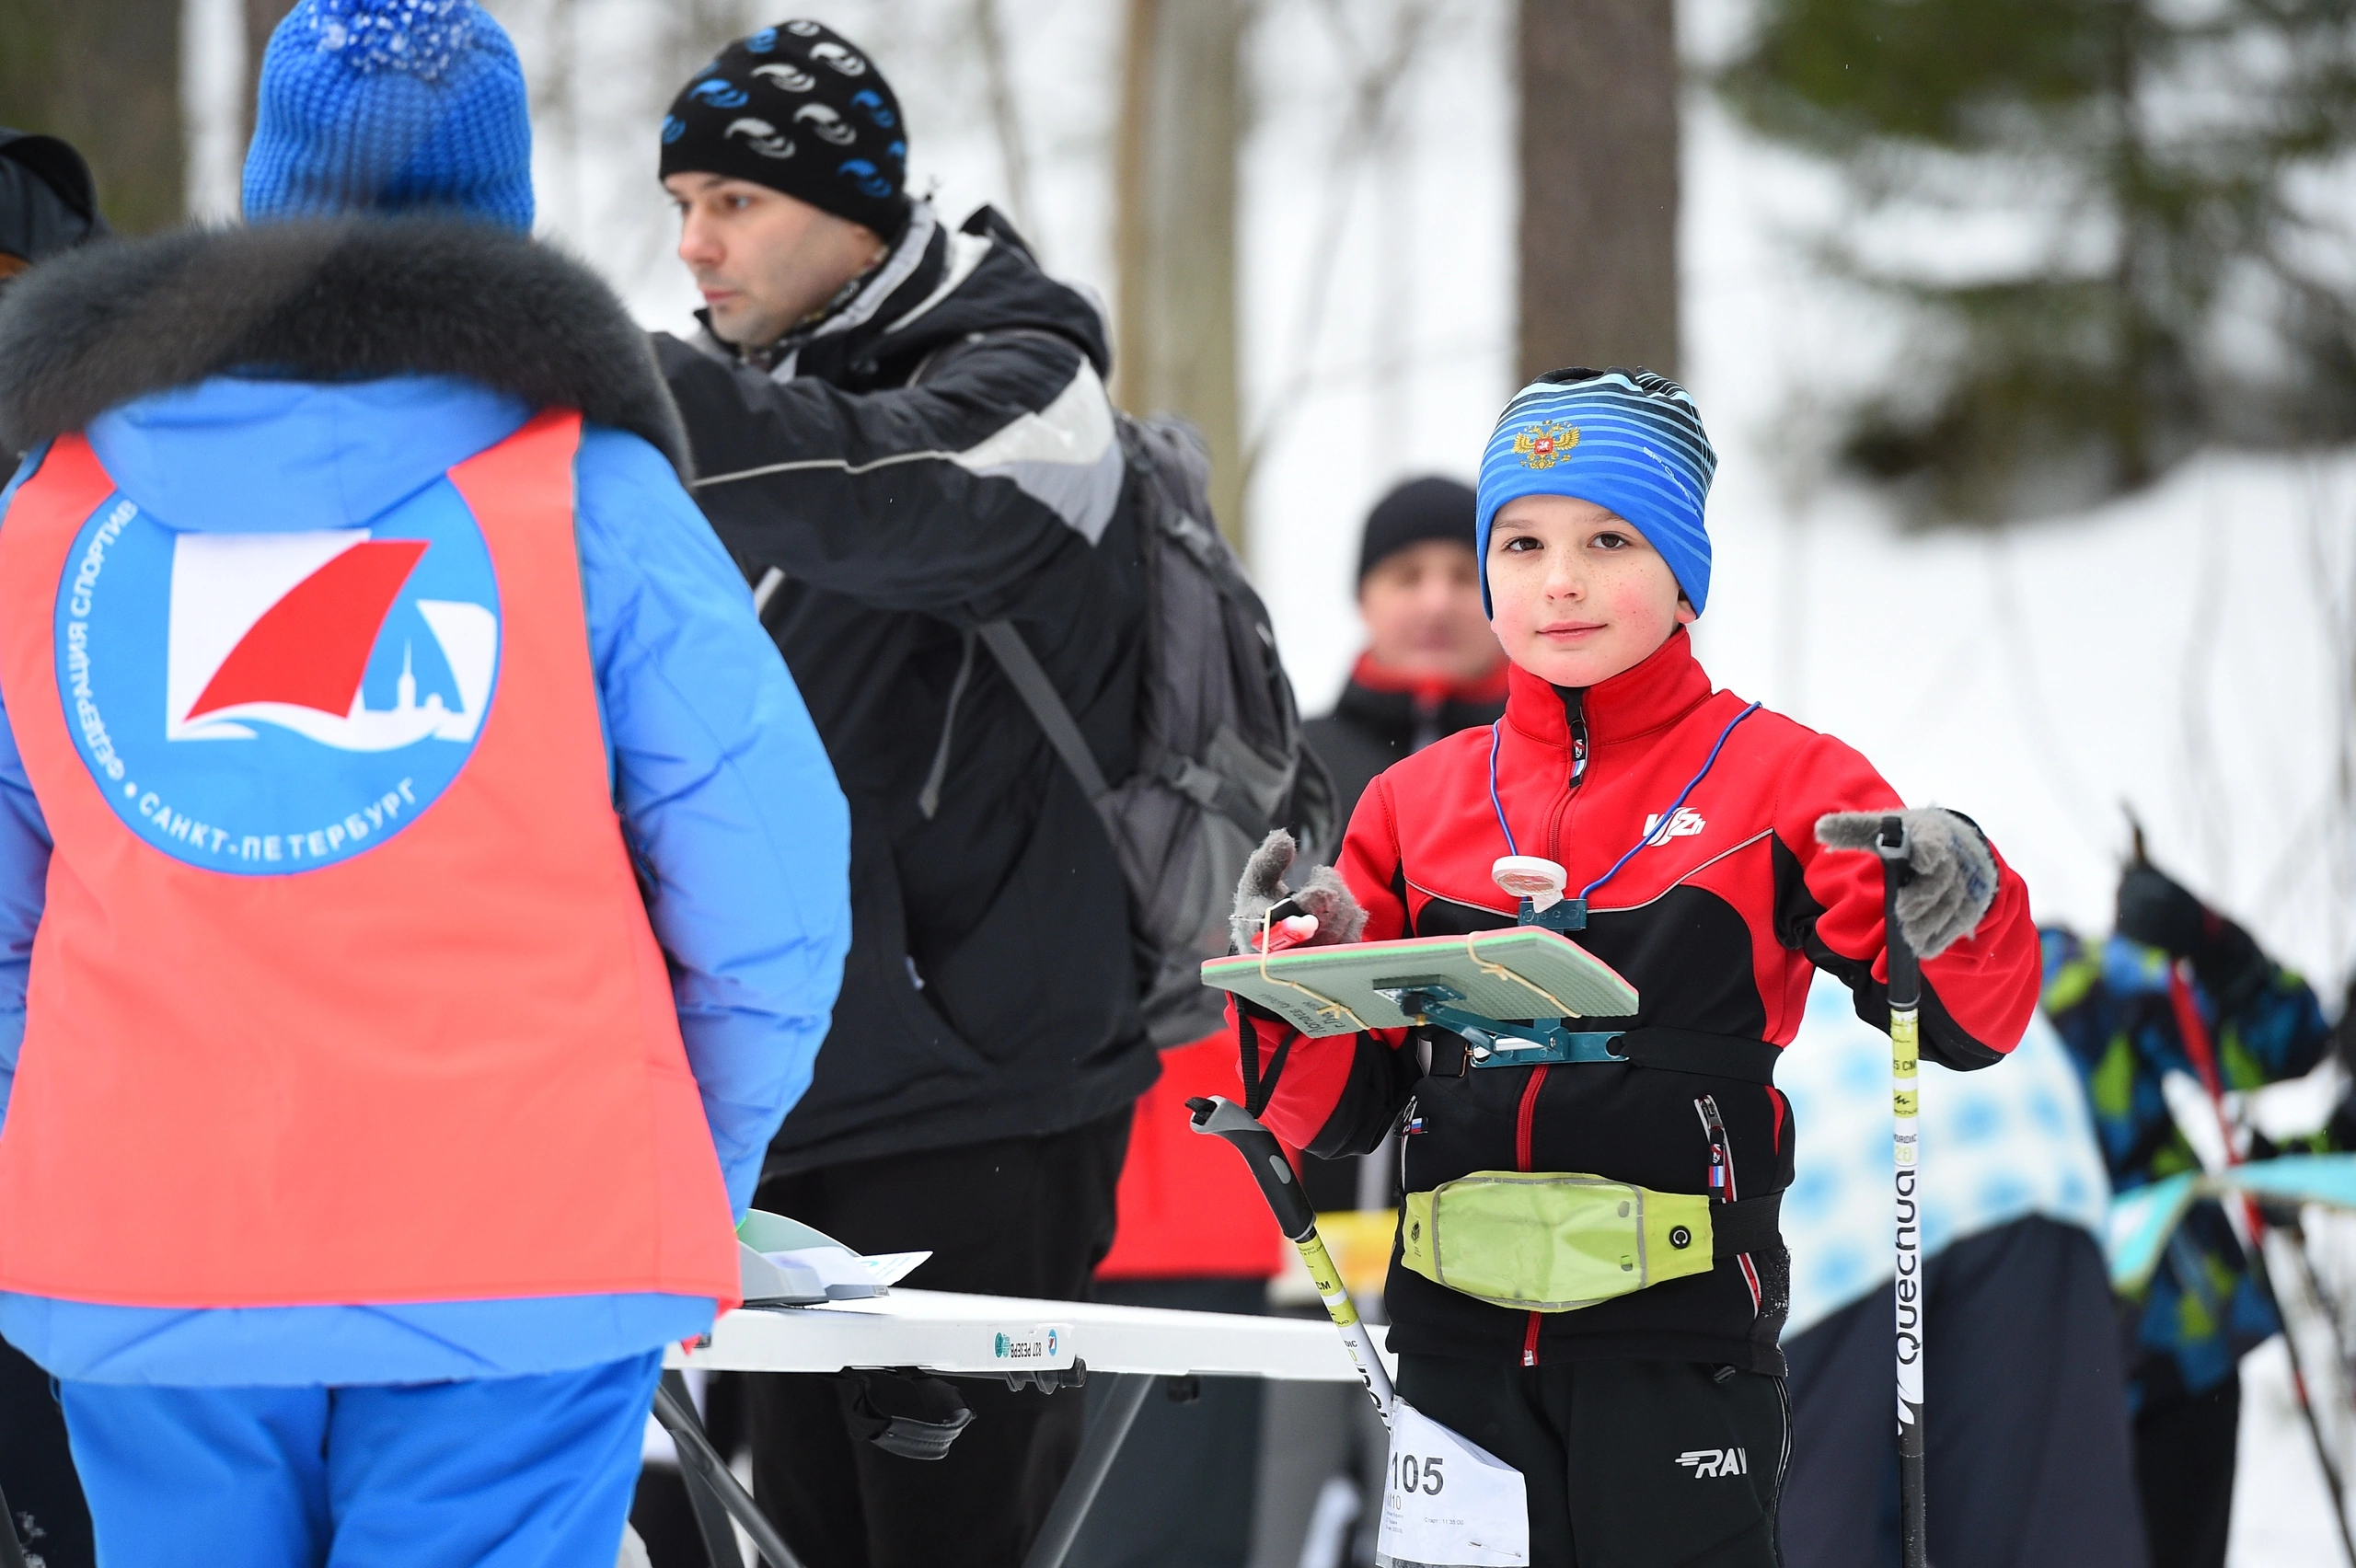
(1719, 921)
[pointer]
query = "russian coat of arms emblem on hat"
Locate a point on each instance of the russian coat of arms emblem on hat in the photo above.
(1543, 446)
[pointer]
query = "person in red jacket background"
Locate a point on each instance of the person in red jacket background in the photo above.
(1686, 822)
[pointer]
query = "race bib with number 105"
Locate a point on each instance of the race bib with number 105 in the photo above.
(1448, 1503)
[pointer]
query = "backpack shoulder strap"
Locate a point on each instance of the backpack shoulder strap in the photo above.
(1039, 695)
(1005, 645)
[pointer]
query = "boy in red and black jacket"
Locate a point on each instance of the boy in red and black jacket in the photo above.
(1687, 820)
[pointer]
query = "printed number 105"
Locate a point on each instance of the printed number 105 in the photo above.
(1409, 1473)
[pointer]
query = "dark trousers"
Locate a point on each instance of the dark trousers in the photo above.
(2025, 1410)
(1018, 1217)
(1607, 1450)
(36, 1468)
(2184, 1464)
(1180, 1495)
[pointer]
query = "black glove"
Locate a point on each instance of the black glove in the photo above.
(1955, 872)
(904, 1411)
(2158, 911)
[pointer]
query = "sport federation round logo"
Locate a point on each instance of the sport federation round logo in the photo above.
(271, 702)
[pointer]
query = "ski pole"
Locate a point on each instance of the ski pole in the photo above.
(1906, 1164)
(1221, 1117)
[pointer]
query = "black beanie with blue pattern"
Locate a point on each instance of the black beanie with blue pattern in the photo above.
(797, 108)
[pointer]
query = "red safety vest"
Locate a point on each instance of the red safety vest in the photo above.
(445, 1068)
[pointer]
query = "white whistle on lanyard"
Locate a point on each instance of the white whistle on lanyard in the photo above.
(1532, 876)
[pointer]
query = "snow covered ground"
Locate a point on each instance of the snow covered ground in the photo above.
(2282, 1507)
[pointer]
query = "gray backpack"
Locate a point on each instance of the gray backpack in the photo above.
(1219, 759)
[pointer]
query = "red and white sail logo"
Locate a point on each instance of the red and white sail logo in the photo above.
(279, 628)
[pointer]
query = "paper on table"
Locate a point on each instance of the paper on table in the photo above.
(891, 1268)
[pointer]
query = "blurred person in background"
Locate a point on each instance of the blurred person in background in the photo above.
(47, 204)
(419, 884)
(2124, 1008)
(2031, 1463)
(901, 432)
(1431, 665)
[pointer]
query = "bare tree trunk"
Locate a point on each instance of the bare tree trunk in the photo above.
(105, 75)
(1174, 233)
(1006, 114)
(216, 83)
(1598, 184)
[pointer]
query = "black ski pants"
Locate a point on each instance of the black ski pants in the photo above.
(1182, 1492)
(2025, 1410)
(36, 1468)
(1624, 1461)
(2184, 1464)
(1016, 1216)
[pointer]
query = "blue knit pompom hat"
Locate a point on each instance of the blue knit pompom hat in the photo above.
(1627, 440)
(390, 106)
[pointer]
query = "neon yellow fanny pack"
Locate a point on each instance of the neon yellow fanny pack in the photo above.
(1547, 1241)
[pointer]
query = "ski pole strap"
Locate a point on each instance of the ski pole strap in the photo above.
(1661, 1049)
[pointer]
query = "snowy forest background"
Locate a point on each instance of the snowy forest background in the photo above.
(2022, 326)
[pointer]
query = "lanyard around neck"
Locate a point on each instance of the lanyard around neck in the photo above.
(1574, 915)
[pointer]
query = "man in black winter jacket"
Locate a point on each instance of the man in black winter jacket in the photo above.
(902, 433)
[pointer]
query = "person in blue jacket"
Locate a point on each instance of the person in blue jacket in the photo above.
(384, 340)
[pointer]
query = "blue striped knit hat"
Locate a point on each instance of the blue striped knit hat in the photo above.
(1626, 440)
(390, 106)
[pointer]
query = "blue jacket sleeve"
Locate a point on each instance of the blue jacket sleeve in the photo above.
(740, 831)
(24, 882)
(24, 868)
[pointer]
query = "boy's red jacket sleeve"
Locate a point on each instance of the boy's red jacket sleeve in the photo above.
(1978, 995)
(1317, 1075)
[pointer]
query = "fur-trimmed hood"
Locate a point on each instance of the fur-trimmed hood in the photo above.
(344, 300)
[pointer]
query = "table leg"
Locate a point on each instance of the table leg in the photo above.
(712, 1488)
(1097, 1451)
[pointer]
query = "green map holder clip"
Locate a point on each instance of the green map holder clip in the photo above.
(1492, 1043)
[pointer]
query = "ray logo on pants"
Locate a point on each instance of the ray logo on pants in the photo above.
(268, 703)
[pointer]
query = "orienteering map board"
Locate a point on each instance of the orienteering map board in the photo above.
(1519, 972)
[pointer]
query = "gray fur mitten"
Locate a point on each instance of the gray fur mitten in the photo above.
(1322, 894)
(1955, 872)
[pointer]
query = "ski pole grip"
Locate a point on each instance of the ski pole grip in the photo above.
(1222, 1118)
(1897, 871)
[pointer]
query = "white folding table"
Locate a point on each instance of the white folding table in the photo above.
(982, 1336)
